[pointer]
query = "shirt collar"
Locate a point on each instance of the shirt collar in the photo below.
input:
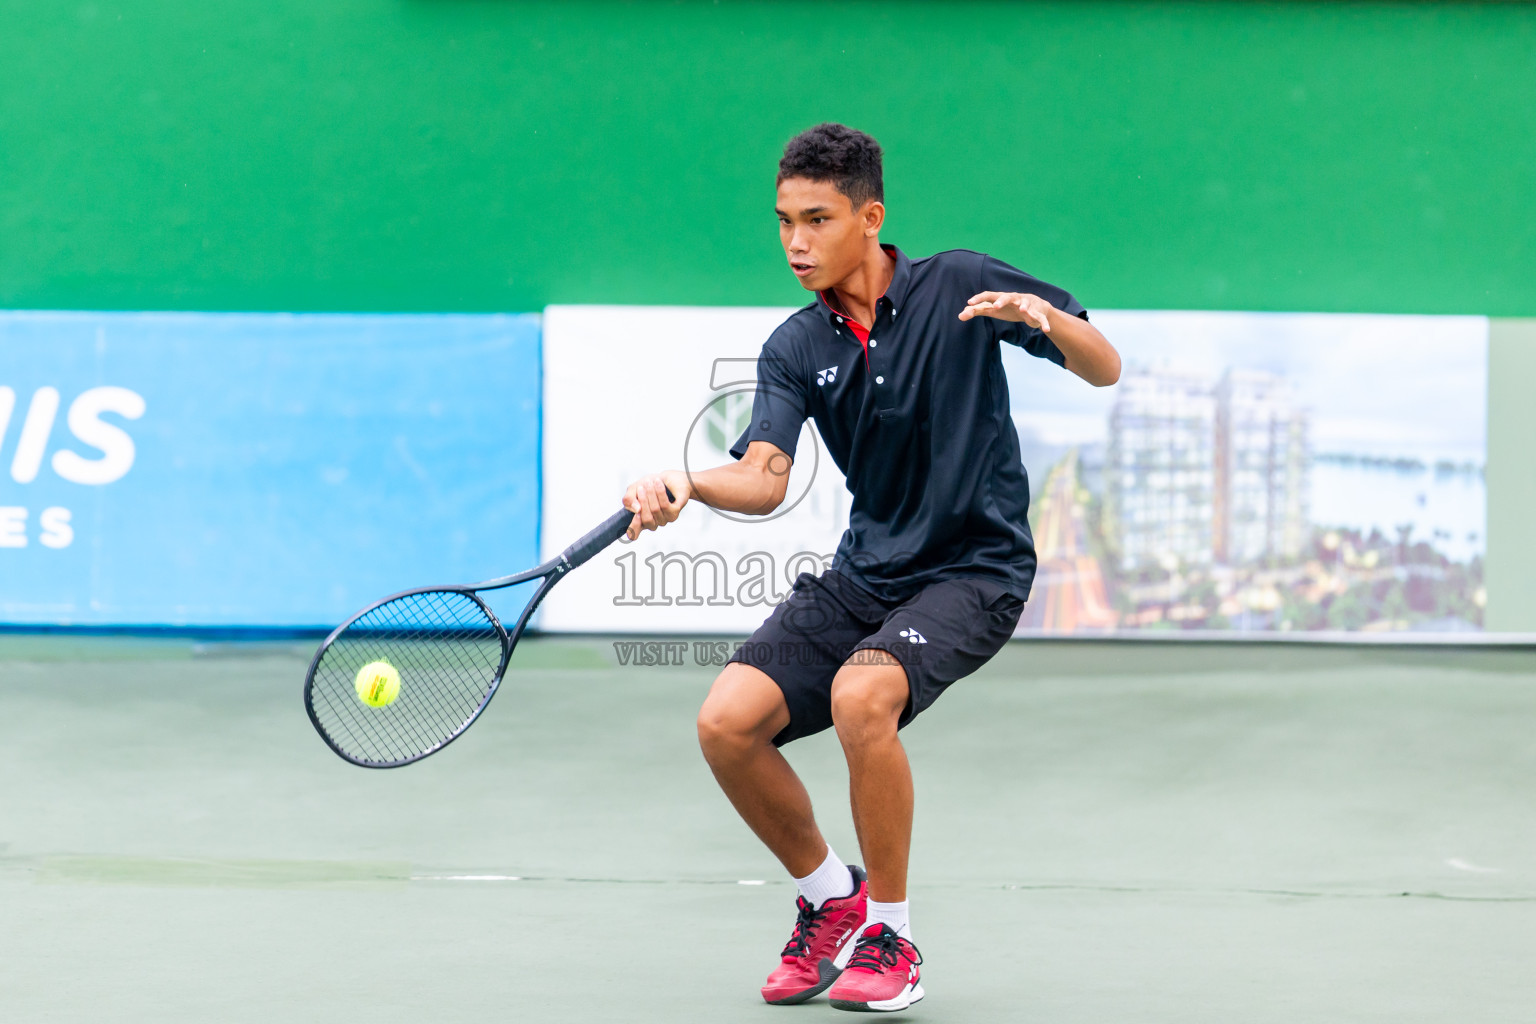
(895, 292)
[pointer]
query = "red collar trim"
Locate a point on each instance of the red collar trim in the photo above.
(859, 330)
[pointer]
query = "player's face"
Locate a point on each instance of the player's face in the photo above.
(824, 237)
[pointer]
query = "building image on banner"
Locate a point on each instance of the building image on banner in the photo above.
(1236, 479)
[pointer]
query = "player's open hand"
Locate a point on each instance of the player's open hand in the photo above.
(1016, 306)
(647, 499)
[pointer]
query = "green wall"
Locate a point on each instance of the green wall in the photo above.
(479, 155)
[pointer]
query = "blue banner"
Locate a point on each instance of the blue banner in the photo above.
(258, 469)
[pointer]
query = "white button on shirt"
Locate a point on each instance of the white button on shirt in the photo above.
(879, 380)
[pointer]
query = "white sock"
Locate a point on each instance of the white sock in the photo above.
(893, 914)
(831, 881)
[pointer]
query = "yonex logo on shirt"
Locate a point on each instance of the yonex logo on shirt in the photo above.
(914, 637)
(826, 376)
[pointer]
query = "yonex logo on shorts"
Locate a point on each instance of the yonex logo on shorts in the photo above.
(826, 376)
(913, 636)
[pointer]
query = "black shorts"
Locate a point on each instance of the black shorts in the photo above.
(947, 631)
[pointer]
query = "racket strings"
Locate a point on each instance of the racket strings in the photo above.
(403, 732)
(379, 734)
(432, 637)
(447, 651)
(444, 653)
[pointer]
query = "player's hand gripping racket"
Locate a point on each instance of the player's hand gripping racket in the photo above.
(407, 675)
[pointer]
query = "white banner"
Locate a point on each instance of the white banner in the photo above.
(631, 390)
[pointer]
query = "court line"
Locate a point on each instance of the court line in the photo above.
(1026, 887)
(466, 878)
(1462, 865)
(281, 874)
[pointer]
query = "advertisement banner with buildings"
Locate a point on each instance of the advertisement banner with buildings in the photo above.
(1250, 473)
(1258, 472)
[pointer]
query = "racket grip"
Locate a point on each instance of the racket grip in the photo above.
(611, 530)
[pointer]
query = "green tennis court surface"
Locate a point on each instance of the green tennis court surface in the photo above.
(1104, 833)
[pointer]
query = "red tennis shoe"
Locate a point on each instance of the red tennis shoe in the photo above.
(820, 946)
(882, 974)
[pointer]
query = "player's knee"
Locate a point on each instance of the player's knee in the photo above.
(725, 731)
(744, 710)
(867, 702)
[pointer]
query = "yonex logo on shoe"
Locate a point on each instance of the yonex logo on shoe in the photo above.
(826, 376)
(914, 637)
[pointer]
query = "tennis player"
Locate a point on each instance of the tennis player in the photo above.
(897, 360)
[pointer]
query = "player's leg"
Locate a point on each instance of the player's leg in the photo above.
(745, 709)
(778, 689)
(744, 712)
(944, 633)
(869, 695)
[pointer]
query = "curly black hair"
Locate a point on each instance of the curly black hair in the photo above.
(834, 152)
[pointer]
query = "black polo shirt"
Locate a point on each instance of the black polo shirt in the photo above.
(918, 421)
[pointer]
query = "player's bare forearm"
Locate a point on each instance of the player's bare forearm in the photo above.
(1089, 354)
(753, 486)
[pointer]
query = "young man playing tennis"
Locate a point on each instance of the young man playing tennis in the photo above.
(898, 362)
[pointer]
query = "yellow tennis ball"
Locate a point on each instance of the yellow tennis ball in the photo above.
(377, 684)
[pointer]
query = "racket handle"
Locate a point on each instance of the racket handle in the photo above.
(611, 530)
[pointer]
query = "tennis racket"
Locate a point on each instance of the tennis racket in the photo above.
(404, 677)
